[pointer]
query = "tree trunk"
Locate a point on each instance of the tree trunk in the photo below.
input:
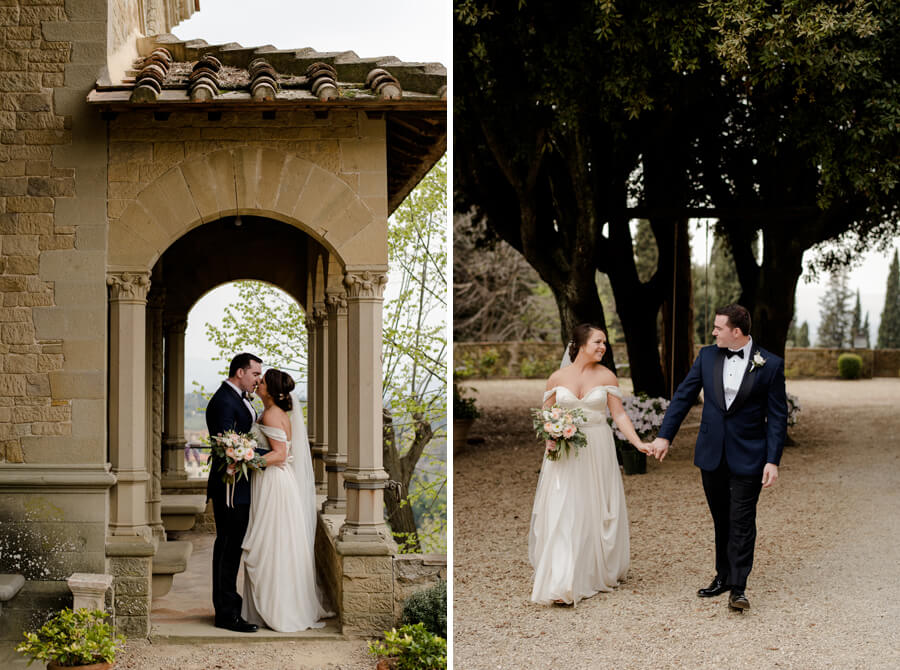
(678, 317)
(400, 516)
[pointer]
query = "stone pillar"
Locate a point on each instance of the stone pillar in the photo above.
(89, 590)
(336, 458)
(364, 477)
(127, 403)
(311, 345)
(173, 433)
(155, 303)
(320, 392)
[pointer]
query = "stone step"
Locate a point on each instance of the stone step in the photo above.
(179, 512)
(200, 630)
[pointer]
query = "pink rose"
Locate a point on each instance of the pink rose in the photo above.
(248, 455)
(569, 431)
(548, 427)
(229, 452)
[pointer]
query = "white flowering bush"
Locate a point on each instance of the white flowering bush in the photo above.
(793, 403)
(646, 415)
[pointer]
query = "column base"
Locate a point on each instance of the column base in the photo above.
(367, 586)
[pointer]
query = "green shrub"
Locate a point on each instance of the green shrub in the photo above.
(463, 406)
(849, 366)
(413, 647)
(537, 368)
(81, 637)
(428, 607)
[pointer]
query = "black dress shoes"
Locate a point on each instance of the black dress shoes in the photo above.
(238, 625)
(717, 587)
(738, 601)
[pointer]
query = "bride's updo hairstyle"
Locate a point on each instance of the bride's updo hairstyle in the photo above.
(580, 335)
(279, 385)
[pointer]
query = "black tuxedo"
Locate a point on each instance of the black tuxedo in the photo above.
(733, 446)
(226, 411)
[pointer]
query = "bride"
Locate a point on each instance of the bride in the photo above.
(279, 555)
(578, 543)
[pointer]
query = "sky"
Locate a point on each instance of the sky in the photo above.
(411, 30)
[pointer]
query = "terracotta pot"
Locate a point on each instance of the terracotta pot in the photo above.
(93, 666)
(385, 664)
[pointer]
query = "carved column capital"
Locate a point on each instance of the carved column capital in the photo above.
(128, 286)
(320, 313)
(365, 284)
(175, 326)
(336, 302)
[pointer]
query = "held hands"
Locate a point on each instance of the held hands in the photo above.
(659, 448)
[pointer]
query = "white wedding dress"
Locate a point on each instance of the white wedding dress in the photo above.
(279, 546)
(578, 544)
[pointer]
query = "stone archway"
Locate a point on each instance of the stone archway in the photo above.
(339, 251)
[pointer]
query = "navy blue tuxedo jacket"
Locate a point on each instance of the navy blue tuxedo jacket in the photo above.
(751, 432)
(226, 411)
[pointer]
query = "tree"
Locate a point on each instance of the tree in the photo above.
(683, 110)
(889, 329)
(856, 321)
(497, 295)
(865, 332)
(724, 286)
(413, 358)
(835, 319)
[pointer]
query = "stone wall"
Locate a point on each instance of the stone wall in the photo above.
(53, 480)
(142, 149)
(537, 360)
(416, 572)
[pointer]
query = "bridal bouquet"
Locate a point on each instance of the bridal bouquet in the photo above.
(238, 451)
(560, 426)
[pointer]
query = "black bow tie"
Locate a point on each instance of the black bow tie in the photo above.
(246, 396)
(739, 353)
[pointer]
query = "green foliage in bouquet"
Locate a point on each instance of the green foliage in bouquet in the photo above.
(428, 607)
(413, 647)
(72, 638)
(849, 366)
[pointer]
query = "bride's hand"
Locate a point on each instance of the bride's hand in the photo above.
(645, 448)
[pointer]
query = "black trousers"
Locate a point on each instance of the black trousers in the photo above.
(231, 525)
(732, 502)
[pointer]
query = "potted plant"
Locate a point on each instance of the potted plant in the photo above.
(465, 411)
(410, 648)
(73, 639)
(646, 414)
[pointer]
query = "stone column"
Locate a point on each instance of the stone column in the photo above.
(364, 477)
(127, 403)
(155, 304)
(336, 458)
(320, 392)
(311, 380)
(173, 434)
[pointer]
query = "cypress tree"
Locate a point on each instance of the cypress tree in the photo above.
(834, 327)
(889, 330)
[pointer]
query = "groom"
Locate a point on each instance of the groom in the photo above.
(230, 409)
(742, 432)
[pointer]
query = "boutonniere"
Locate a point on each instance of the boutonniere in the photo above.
(757, 361)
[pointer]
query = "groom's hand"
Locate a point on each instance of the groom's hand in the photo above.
(660, 447)
(770, 474)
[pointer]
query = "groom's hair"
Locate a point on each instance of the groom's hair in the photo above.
(241, 362)
(738, 316)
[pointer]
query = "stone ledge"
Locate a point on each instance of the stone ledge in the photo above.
(10, 586)
(172, 557)
(22, 477)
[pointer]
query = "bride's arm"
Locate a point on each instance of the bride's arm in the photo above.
(279, 454)
(617, 410)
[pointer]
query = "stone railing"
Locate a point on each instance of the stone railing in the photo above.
(537, 360)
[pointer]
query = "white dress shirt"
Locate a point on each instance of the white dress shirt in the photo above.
(247, 403)
(733, 372)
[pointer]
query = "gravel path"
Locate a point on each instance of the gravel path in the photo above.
(824, 589)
